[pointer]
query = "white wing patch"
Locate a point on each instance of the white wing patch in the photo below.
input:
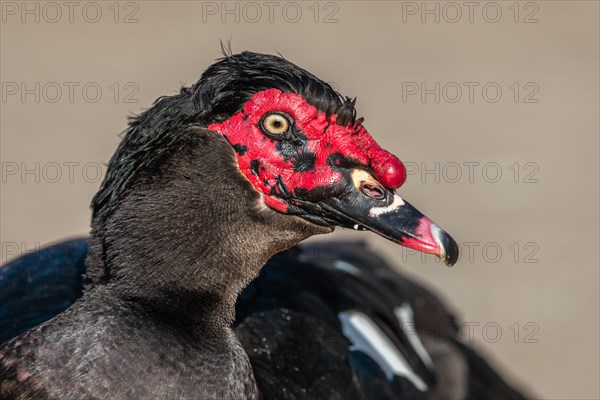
(346, 267)
(377, 211)
(367, 337)
(404, 313)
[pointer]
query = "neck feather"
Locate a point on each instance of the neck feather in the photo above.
(188, 237)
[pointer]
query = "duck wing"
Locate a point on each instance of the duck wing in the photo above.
(460, 370)
(39, 285)
(317, 330)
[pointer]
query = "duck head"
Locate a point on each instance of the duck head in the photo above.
(324, 166)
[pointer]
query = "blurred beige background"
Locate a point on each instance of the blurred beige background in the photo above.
(529, 285)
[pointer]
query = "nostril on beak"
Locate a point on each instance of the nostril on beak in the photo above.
(372, 190)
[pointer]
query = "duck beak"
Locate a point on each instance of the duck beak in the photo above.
(367, 205)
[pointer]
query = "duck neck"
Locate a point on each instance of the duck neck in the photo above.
(185, 240)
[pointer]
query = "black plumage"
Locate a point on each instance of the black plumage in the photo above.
(40, 285)
(177, 233)
(287, 322)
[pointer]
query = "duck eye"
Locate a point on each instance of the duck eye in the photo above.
(275, 124)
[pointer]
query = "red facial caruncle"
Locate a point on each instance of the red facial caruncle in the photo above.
(288, 149)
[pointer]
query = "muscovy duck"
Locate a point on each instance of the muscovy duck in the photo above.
(205, 187)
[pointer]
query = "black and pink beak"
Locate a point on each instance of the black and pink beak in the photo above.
(368, 205)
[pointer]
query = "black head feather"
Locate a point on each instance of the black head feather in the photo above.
(229, 83)
(222, 90)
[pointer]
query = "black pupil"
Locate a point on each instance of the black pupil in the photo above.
(277, 124)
